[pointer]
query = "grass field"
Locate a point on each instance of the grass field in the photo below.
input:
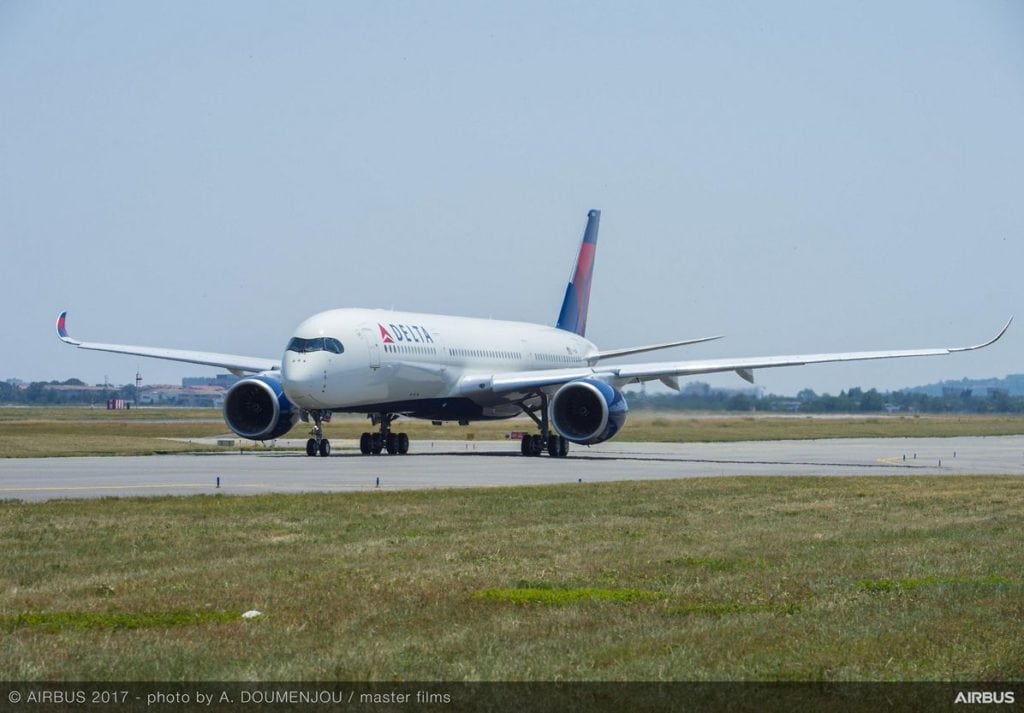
(40, 432)
(702, 579)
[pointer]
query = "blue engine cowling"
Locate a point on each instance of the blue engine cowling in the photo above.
(257, 408)
(588, 411)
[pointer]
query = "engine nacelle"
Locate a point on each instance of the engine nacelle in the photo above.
(588, 411)
(257, 408)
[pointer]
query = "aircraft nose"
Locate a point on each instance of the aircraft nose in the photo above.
(303, 380)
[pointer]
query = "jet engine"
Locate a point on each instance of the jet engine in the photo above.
(257, 408)
(588, 411)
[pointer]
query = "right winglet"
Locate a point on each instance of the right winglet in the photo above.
(993, 340)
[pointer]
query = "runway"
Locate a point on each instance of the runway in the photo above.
(461, 464)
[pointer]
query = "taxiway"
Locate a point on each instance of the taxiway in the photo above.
(466, 464)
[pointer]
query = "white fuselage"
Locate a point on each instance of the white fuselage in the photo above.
(407, 362)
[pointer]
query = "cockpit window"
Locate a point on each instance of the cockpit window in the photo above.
(319, 344)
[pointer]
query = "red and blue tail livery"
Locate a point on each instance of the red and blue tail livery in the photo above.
(573, 317)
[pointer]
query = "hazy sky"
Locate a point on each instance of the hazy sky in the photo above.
(800, 177)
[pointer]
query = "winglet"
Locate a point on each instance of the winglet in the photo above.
(573, 315)
(62, 329)
(991, 341)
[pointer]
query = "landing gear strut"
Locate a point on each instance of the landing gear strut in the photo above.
(317, 445)
(384, 439)
(535, 444)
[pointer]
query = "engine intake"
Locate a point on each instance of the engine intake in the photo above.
(588, 411)
(257, 408)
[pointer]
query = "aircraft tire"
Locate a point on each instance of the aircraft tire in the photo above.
(537, 445)
(365, 444)
(311, 447)
(526, 444)
(391, 444)
(377, 444)
(403, 443)
(325, 448)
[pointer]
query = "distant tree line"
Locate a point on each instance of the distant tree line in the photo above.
(854, 400)
(41, 393)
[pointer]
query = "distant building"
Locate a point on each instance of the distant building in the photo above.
(225, 381)
(191, 396)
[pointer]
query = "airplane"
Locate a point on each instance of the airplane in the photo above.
(389, 364)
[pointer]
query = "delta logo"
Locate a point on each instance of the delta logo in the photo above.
(404, 333)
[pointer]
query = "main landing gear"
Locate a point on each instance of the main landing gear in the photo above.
(535, 444)
(318, 445)
(384, 439)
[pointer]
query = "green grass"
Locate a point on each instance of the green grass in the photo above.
(42, 432)
(56, 622)
(701, 579)
(719, 609)
(909, 583)
(565, 595)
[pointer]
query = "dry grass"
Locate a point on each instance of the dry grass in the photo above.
(703, 579)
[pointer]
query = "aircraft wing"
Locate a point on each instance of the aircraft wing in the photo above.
(619, 375)
(232, 362)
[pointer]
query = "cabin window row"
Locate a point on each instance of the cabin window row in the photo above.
(561, 358)
(408, 349)
(484, 354)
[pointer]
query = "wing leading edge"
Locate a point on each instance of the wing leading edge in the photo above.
(620, 375)
(232, 362)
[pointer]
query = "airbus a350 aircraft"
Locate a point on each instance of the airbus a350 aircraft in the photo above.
(388, 364)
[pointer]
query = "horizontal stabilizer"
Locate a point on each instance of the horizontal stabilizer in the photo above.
(611, 353)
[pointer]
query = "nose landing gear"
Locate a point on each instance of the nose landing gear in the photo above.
(317, 444)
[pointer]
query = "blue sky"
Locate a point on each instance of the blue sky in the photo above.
(800, 177)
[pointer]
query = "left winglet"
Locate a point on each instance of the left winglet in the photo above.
(62, 329)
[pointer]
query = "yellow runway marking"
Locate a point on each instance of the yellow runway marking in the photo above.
(892, 460)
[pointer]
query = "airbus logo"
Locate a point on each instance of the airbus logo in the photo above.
(984, 697)
(404, 333)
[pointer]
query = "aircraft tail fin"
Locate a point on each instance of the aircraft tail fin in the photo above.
(573, 316)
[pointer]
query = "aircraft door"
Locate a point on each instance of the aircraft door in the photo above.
(372, 347)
